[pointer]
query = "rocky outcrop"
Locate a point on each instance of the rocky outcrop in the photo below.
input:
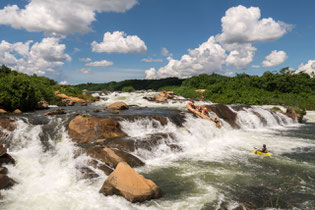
(225, 113)
(296, 113)
(5, 158)
(17, 111)
(118, 106)
(88, 128)
(41, 105)
(6, 124)
(2, 111)
(126, 182)
(58, 111)
(162, 97)
(161, 119)
(112, 157)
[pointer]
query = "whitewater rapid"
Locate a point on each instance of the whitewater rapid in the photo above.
(210, 171)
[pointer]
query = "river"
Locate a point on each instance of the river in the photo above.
(214, 168)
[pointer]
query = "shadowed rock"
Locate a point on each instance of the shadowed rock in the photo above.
(112, 157)
(225, 113)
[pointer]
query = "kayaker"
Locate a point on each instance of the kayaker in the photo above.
(264, 149)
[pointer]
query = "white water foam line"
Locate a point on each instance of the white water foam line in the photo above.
(136, 98)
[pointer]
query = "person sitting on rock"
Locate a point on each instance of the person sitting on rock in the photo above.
(264, 149)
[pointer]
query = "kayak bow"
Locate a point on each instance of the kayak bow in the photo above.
(260, 153)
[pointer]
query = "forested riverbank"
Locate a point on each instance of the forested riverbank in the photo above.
(283, 87)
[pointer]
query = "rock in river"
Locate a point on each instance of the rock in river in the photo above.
(88, 128)
(126, 182)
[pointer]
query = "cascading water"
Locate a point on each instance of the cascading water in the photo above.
(196, 164)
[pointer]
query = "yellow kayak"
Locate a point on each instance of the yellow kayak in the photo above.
(260, 153)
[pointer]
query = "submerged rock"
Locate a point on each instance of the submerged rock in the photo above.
(59, 111)
(88, 128)
(41, 105)
(126, 182)
(118, 106)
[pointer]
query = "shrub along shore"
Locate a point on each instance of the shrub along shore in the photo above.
(21, 91)
(272, 88)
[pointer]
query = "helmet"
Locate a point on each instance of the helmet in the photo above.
(264, 145)
(205, 108)
(189, 103)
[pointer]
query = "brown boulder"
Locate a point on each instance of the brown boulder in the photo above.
(112, 157)
(128, 183)
(225, 113)
(88, 128)
(7, 124)
(2, 111)
(161, 119)
(295, 113)
(41, 105)
(57, 112)
(5, 182)
(118, 106)
(17, 111)
(160, 99)
(124, 144)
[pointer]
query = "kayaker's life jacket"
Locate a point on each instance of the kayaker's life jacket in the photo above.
(264, 150)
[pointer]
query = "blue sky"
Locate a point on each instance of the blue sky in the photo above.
(155, 38)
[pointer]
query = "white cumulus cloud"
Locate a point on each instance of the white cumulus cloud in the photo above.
(275, 58)
(241, 28)
(60, 16)
(308, 68)
(119, 42)
(243, 25)
(38, 58)
(150, 73)
(103, 63)
(207, 58)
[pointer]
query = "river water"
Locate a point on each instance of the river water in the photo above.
(213, 170)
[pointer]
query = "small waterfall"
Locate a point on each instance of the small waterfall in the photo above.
(48, 176)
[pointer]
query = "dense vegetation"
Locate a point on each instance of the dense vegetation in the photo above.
(282, 87)
(134, 84)
(21, 91)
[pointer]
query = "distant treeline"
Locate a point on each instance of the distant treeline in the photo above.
(135, 84)
(22, 91)
(283, 87)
